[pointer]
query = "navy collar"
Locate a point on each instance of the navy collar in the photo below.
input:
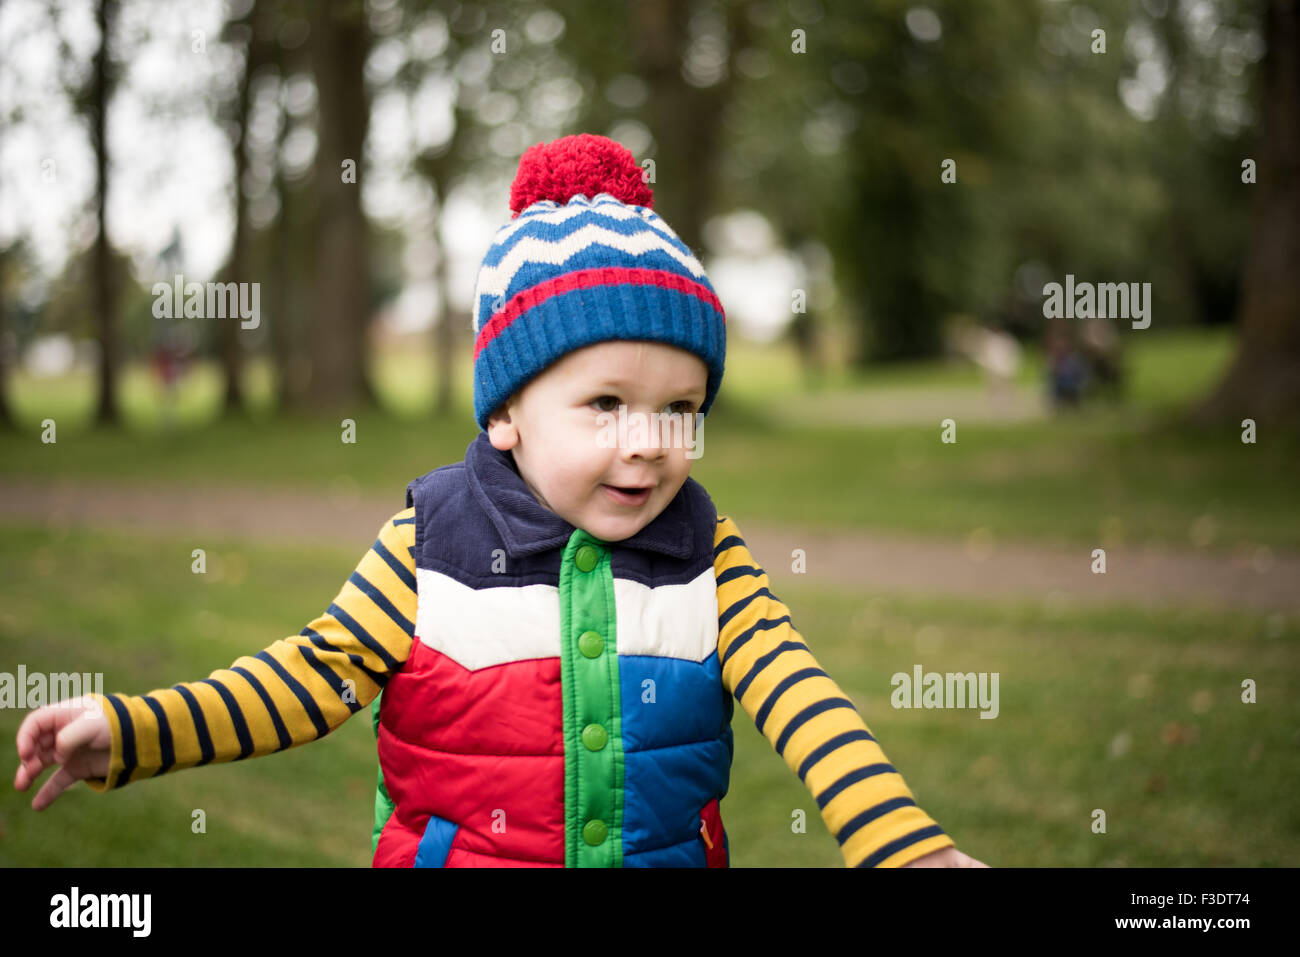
(527, 527)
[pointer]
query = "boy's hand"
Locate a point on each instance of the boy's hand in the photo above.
(73, 734)
(948, 857)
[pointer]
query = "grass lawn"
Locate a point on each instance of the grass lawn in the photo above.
(1107, 476)
(1135, 712)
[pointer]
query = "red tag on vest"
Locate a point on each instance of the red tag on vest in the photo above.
(711, 832)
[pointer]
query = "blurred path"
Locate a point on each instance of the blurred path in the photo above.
(1260, 579)
(908, 405)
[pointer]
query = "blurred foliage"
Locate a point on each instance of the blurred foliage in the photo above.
(1053, 173)
(833, 121)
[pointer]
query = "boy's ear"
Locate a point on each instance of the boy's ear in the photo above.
(501, 431)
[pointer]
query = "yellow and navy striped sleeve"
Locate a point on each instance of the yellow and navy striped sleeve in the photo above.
(808, 719)
(297, 690)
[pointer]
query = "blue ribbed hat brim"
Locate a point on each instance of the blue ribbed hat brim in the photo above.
(571, 320)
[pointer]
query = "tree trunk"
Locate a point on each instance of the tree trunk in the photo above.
(339, 44)
(446, 335)
(1263, 382)
(437, 170)
(686, 120)
(288, 390)
(237, 266)
(6, 415)
(105, 305)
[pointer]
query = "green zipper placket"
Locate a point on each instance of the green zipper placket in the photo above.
(383, 803)
(593, 735)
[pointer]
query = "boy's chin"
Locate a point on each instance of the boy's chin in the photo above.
(615, 528)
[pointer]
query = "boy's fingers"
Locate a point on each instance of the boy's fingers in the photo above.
(41, 726)
(32, 729)
(73, 737)
(35, 754)
(53, 735)
(59, 782)
(30, 768)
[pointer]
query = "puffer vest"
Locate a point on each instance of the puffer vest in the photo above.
(562, 704)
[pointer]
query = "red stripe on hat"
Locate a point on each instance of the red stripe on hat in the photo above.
(522, 301)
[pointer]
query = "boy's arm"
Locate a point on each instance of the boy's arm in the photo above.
(297, 690)
(807, 718)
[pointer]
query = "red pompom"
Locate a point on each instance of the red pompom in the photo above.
(583, 163)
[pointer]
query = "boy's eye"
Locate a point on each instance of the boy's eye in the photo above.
(684, 407)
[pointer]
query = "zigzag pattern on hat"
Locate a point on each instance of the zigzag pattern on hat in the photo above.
(602, 203)
(550, 241)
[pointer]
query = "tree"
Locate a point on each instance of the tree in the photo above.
(1263, 381)
(99, 91)
(7, 339)
(250, 30)
(338, 47)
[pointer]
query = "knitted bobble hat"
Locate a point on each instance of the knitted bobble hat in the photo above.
(584, 259)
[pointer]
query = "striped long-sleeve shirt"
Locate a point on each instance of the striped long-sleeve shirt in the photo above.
(300, 688)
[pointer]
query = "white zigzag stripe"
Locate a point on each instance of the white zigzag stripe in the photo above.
(494, 280)
(608, 207)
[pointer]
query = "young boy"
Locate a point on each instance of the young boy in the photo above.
(557, 623)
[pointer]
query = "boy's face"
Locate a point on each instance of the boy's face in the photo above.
(562, 445)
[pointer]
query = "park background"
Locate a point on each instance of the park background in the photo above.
(799, 147)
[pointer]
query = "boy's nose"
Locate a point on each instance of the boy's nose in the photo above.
(645, 441)
(645, 451)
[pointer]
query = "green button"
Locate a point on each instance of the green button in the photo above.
(586, 558)
(594, 832)
(594, 737)
(591, 644)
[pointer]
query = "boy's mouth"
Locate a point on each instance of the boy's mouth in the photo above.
(628, 495)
